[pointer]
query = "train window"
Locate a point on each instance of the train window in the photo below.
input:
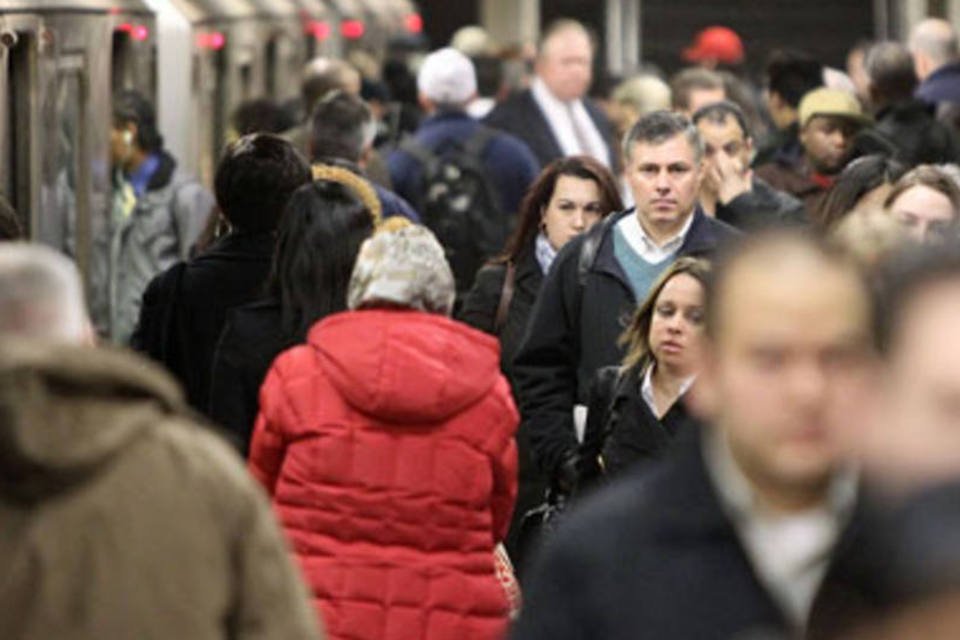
(271, 70)
(66, 222)
(220, 102)
(246, 81)
(120, 61)
(937, 8)
(19, 153)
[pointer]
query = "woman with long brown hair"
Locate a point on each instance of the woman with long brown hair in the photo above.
(570, 195)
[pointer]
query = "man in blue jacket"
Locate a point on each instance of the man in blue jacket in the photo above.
(933, 43)
(447, 82)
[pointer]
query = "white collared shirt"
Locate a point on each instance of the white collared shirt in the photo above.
(559, 114)
(644, 246)
(790, 552)
(646, 389)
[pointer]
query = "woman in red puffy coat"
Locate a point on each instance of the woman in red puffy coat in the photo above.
(386, 443)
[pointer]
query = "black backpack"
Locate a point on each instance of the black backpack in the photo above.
(459, 203)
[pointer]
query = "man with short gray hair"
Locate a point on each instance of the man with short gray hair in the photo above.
(342, 130)
(933, 43)
(599, 277)
(41, 296)
(122, 517)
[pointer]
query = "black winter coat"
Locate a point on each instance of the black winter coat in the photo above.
(622, 430)
(480, 306)
(574, 328)
(184, 308)
(918, 136)
(252, 337)
(655, 556)
(480, 310)
(521, 115)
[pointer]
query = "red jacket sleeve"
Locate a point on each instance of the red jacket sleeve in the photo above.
(268, 445)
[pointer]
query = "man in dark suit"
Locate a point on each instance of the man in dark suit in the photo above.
(553, 116)
(733, 535)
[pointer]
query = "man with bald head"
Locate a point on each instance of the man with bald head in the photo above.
(732, 534)
(933, 43)
(553, 116)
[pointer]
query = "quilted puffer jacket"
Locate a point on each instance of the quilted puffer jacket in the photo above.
(386, 443)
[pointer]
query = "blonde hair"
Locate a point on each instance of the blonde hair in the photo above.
(637, 336)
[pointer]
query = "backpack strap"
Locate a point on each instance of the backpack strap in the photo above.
(475, 144)
(506, 296)
(420, 153)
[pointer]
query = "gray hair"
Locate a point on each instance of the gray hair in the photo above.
(937, 39)
(659, 126)
(40, 295)
(403, 267)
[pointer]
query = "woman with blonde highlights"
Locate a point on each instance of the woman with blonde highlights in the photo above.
(636, 409)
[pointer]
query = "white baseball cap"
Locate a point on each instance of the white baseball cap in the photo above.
(447, 77)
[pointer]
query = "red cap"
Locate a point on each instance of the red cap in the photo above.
(715, 43)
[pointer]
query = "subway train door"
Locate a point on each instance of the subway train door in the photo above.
(19, 129)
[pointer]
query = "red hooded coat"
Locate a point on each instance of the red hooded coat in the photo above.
(387, 445)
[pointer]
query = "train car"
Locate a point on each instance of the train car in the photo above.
(197, 60)
(59, 63)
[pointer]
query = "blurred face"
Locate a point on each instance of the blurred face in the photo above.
(828, 142)
(676, 327)
(665, 180)
(574, 207)
(566, 64)
(787, 368)
(916, 439)
(924, 213)
(702, 97)
(121, 144)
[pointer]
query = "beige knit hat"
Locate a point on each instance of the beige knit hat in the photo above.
(404, 267)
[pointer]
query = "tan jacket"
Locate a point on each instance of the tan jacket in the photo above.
(120, 518)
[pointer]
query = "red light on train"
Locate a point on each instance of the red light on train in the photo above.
(352, 29)
(137, 32)
(414, 23)
(211, 40)
(319, 29)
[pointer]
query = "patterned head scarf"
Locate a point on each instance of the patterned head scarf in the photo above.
(403, 267)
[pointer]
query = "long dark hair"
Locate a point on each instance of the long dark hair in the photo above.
(317, 243)
(539, 194)
(860, 177)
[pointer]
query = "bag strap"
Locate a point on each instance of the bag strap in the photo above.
(475, 145)
(506, 296)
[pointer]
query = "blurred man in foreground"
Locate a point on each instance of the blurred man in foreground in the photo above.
(732, 535)
(121, 517)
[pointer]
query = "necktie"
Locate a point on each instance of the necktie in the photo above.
(583, 140)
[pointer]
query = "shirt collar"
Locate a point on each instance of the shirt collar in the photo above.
(673, 243)
(737, 496)
(544, 96)
(646, 388)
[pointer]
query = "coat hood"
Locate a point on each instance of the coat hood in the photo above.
(406, 366)
(65, 411)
